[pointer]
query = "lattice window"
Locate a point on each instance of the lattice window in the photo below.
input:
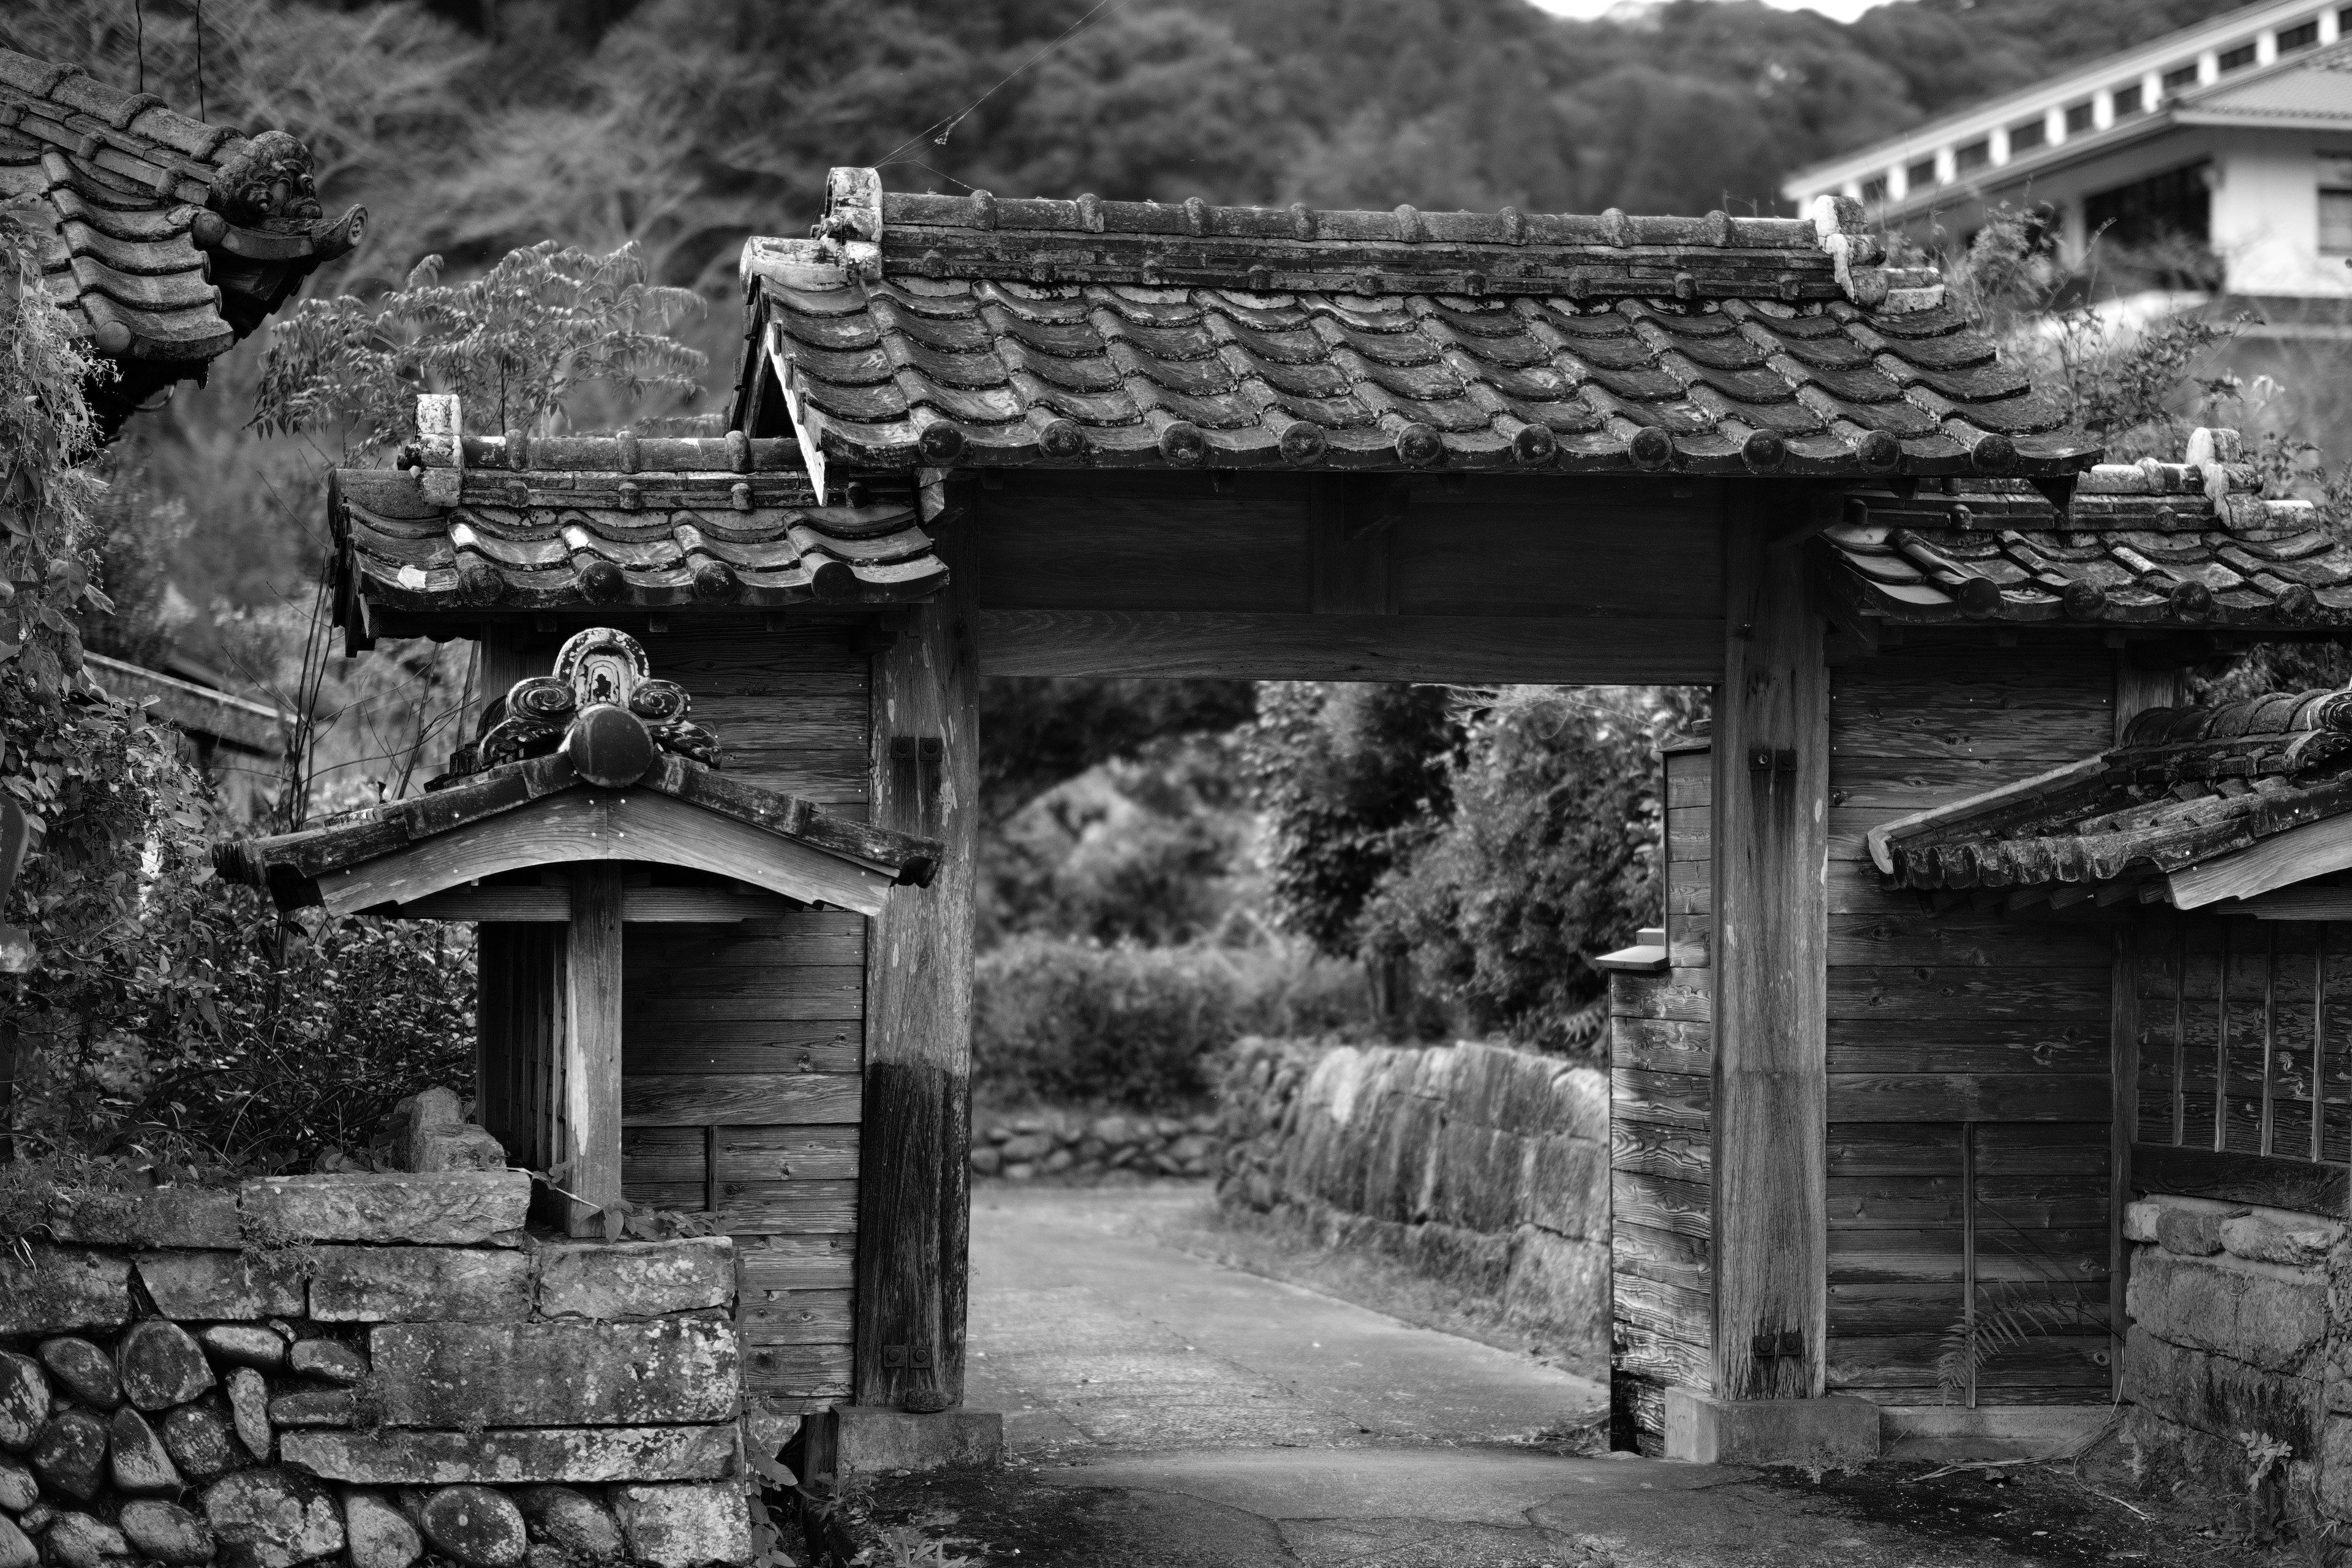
(2245, 1036)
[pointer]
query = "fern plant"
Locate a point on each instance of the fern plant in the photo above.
(2007, 1318)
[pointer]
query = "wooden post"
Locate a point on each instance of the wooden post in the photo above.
(1771, 1091)
(2137, 690)
(912, 1187)
(591, 1145)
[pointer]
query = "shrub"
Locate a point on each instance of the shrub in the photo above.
(1078, 1023)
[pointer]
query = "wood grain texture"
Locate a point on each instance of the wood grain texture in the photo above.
(1346, 576)
(1924, 992)
(1968, 1096)
(797, 1263)
(1683, 1207)
(651, 1045)
(2295, 856)
(1770, 1003)
(913, 1208)
(1174, 645)
(1661, 1098)
(2241, 1179)
(591, 1172)
(1662, 1045)
(702, 1099)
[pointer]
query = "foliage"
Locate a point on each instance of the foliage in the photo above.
(513, 344)
(1037, 733)
(1078, 1023)
(1353, 778)
(1553, 854)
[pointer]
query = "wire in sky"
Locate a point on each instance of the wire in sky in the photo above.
(139, 21)
(945, 128)
(201, 113)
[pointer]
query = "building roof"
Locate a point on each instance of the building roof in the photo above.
(2259, 30)
(2303, 90)
(2176, 546)
(602, 730)
(952, 329)
(234, 722)
(169, 239)
(2197, 804)
(501, 525)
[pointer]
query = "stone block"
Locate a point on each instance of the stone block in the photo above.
(18, 1488)
(636, 1279)
(456, 1208)
(216, 1286)
(464, 1147)
(2139, 1220)
(166, 1532)
(870, 1440)
(24, 1401)
(244, 1344)
(329, 1361)
(2217, 1395)
(272, 1518)
(70, 1457)
(1836, 1430)
(571, 1521)
(581, 1455)
(2191, 1233)
(2269, 1317)
(1477, 1177)
(684, 1526)
(86, 1372)
(62, 1290)
(1559, 1289)
(378, 1534)
(248, 1403)
(153, 1216)
(315, 1407)
(1564, 1186)
(2292, 1240)
(1398, 1169)
(162, 1365)
(140, 1465)
(572, 1374)
(2335, 1468)
(200, 1441)
(77, 1541)
(404, 1284)
(16, 1549)
(476, 1526)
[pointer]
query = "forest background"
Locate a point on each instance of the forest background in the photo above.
(1165, 863)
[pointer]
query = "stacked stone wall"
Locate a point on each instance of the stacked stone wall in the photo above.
(364, 1368)
(2240, 1344)
(1479, 1165)
(1063, 1144)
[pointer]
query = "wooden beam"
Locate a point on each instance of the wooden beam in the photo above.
(2237, 1178)
(2328, 903)
(639, 906)
(1569, 650)
(1771, 998)
(591, 1152)
(2137, 690)
(1348, 570)
(2279, 861)
(912, 1195)
(643, 825)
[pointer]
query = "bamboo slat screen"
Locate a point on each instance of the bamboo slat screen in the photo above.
(2244, 1027)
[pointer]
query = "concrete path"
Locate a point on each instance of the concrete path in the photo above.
(1164, 1412)
(1087, 1333)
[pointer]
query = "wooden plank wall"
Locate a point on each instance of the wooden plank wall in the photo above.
(520, 1009)
(1662, 1066)
(742, 1045)
(2235, 1015)
(1969, 1054)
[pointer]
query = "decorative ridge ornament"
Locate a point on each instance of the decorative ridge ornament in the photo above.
(603, 708)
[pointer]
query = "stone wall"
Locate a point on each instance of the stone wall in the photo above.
(1482, 1166)
(362, 1369)
(1062, 1143)
(2240, 1335)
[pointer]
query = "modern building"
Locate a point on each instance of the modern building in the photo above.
(2235, 135)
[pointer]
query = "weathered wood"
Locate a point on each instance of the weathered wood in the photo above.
(1680, 1207)
(1968, 1096)
(1772, 709)
(1914, 936)
(818, 1374)
(519, 1022)
(1901, 1203)
(1660, 1099)
(639, 906)
(653, 1045)
(913, 1210)
(1348, 561)
(1685, 995)
(2123, 1089)
(1966, 1045)
(797, 1318)
(2239, 1178)
(1667, 1257)
(1670, 1311)
(1659, 1150)
(785, 1263)
(1179, 643)
(1679, 1363)
(727, 991)
(1885, 991)
(699, 1100)
(1898, 1360)
(601, 825)
(1662, 1045)
(2295, 856)
(590, 1173)
(2042, 736)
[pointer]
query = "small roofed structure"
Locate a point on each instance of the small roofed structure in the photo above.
(598, 770)
(171, 240)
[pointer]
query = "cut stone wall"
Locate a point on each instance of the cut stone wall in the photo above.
(1064, 1144)
(1476, 1164)
(2240, 1335)
(364, 1368)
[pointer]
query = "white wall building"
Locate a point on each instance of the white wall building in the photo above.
(2236, 132)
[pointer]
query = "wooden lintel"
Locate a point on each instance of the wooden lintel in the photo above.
(1349, 549)
(2325, 903)
(1771, 997)
(1820, 509)
(639, 906)
(1371, 504)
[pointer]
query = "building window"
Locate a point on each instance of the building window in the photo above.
(2127, 100)
(1874, 190)
(1975, 155)
(2238, 58)
(2026, 137)
(2335, 203)
(2159, 225)
(1921, 175)
(2078, 118)
(2303, 37)
(2180, 76)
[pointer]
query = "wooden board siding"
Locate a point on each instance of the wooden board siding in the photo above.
(742, 1045)
(1969, 1082)
(1662, 1069)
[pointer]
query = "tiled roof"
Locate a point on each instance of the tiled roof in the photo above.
(172, 239)
(947, 329)
(616, 522)
(2187, 787)
(2161, 545)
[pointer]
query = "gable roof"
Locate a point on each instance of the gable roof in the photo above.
(2303, 90)
(597, 761)
(2187, 546)
(169, 239)
(2196, 805)
(480, 527)
(950, 329)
